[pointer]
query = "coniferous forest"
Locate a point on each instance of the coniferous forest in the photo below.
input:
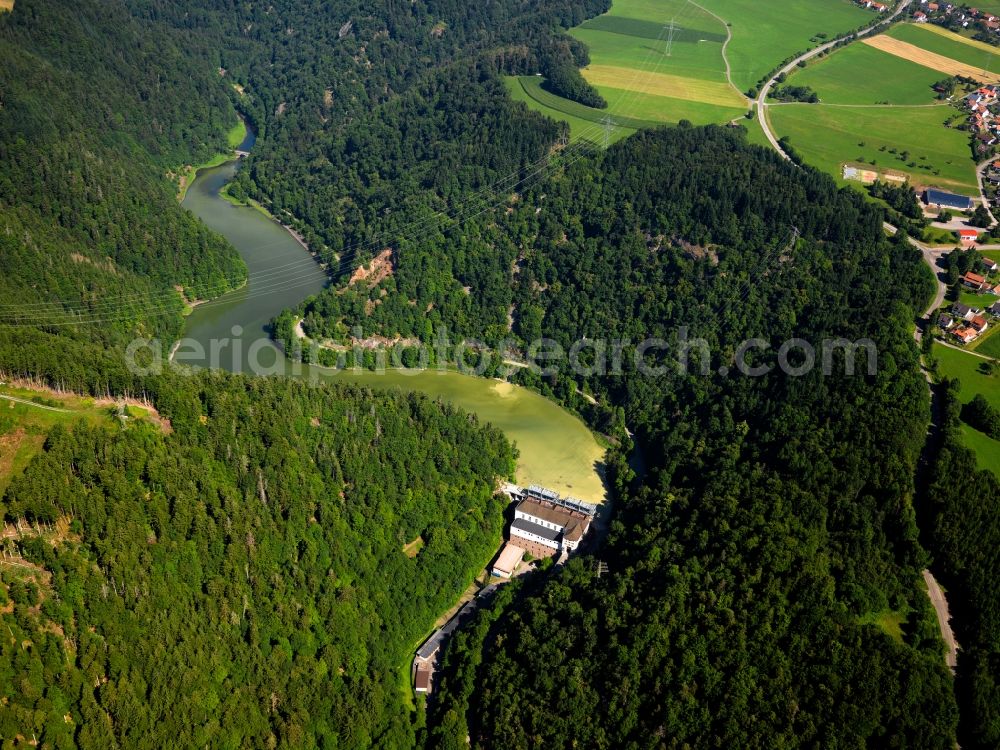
(233, 574)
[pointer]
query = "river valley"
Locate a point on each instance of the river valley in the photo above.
(557, 449)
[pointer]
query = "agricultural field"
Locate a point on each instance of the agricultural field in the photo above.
(584, 122)
(968, 369)
(848, 77)
(661, 61)
(987, 449)
(910, 139)
(877, 105)
(766, 33)
(942, 43)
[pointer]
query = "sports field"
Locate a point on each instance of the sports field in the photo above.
(661, 61)
(828, 136)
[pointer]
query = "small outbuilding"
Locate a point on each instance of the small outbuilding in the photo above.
(507, 561)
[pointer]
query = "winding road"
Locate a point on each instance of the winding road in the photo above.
(762, 104)
(931, 256)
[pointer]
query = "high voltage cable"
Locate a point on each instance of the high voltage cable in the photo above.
(52, 317)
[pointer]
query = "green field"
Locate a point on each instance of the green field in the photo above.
(845, 77)
(972, 299)
(953, 363)
(237, 133)
(661, 61)
(829, 136)
(765, 33)
(965, 368)
(987, 449)
(956, 49)
(989, 344)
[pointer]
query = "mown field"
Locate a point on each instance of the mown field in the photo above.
(942, 42)
(828, 136)
(650, 74)
(765, 33)
(846, 77)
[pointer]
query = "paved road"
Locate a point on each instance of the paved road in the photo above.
(940, 603)
(762, 96)
(931, 257)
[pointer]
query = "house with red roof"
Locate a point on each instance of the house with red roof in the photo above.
(968, 236)
(975, 281)
(965, 335)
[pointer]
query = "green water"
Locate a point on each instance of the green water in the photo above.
(556, 448)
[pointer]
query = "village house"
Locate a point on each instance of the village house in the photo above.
(974, 281)
(962, 312)
(979, 324)
(968, 236)
(945, 321)
(990, 265)
(995, 309)
(965, 335)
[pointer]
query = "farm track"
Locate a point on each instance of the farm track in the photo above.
(31, 403)
(862, 106)
(725, 44)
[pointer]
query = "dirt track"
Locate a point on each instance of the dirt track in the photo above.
(941, 610)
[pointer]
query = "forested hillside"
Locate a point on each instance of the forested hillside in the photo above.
(750, 569)
(240, 581)
(378, 123)
(962, 517)
(238, 578)
(94, 111)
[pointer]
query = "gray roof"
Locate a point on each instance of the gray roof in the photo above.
(959, 309)
(941, 198)
(533, 528)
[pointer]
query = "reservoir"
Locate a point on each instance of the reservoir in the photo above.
(557, 450)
